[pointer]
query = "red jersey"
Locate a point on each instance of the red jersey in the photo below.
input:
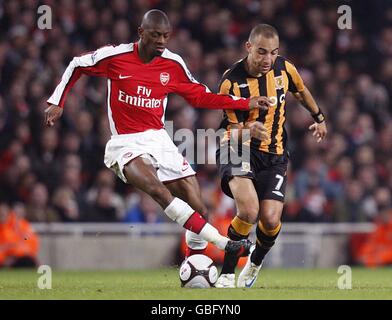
(137, 91)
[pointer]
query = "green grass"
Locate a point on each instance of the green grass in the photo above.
(164, 284)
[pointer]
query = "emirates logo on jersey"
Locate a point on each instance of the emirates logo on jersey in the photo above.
(164, 77)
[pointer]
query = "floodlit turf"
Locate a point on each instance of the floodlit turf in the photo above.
(164, 284)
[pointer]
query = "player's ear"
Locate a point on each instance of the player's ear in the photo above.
(140, 32)
(248, 46)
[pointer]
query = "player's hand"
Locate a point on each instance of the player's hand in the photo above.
(262, 103)
(52, 114)
(319, 130)
(257, 130)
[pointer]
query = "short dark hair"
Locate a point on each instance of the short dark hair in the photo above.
(265, 30)
(154, 17)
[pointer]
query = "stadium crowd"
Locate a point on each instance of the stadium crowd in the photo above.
(57, 174)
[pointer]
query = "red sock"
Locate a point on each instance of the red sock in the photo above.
(195, 223)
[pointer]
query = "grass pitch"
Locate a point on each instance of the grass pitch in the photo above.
(164, 284)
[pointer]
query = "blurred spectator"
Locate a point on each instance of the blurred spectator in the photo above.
(350, 208)
(376, 249)
(105, 178)
(313, 175)
(102, 209)
(146, 211)
(57, 172)
(37, 206)
(45, 157)
(65, 205)
(314, 203)
(18, 243)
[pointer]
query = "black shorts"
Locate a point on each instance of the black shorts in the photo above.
(268, 172)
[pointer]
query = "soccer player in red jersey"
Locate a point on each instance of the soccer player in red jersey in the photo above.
(140, 76)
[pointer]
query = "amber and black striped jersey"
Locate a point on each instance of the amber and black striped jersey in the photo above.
(281, 78)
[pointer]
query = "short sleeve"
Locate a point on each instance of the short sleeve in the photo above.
(296, 84)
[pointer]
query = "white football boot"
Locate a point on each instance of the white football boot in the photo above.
(248, 275)
(226, 280)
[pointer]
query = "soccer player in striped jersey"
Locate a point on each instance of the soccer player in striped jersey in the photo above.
(258, 187)
(140, 76)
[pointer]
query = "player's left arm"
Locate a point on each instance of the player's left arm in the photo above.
(319, 127)
(303, 95)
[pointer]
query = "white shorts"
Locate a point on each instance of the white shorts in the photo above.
(154, 145)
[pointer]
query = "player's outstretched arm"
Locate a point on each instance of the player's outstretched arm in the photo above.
(52, 114)
(199, 96)
(319, 127)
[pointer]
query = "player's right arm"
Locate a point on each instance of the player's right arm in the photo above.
(199, 96)
(92, 64)
(237, 122)
(52, 114)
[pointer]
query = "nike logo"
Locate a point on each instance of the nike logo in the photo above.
(245, 170)
(250, 284)
(244, 85)
(123, 77)
(278, 193)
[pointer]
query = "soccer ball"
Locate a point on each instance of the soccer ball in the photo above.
(198, 271)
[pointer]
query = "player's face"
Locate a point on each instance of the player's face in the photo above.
(262, 53)
(155, 39)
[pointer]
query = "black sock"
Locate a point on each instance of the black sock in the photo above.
(264, 244)
(231, 260)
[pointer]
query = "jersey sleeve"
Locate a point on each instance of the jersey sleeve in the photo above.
(199, 96)
(92, 64)
(225, 86)
(296, 84)
(232, 116)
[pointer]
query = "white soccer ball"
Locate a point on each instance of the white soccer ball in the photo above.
(198, 271)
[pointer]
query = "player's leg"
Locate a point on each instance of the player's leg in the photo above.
(268, 228)
(270, 184)
(143, 176)
(188, 190)
(267, 231)
(247, 203)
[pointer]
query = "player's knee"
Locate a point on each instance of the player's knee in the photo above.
(271, 225)
(248, 213)
(271, 221)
